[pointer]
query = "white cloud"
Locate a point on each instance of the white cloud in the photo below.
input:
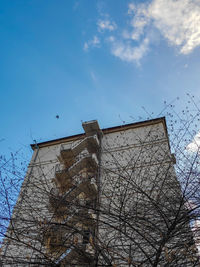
(95, 42)
(86, 46)
(131, 8)
(139, 21)
(106, 24)
(194, 146)
(130, 53)
(111, 38)
(177, 20)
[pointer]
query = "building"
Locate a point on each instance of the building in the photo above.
(106, 197)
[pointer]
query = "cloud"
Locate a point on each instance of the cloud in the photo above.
(76, 5)
(111, 38)
(95, 42)
(139, 20)
(130, 53)
(93, 76)
(106, 24)
(178, 21)
(86, 46)
(194, 146)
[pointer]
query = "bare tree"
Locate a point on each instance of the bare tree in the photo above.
(134, 208)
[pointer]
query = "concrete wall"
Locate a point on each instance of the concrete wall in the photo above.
(139, 198)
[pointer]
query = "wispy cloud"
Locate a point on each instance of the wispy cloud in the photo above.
(106, 24)
(94, 42)
(93, 76)
(140, 19)
(130, 53)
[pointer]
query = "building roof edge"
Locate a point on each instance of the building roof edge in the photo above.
(104, 130)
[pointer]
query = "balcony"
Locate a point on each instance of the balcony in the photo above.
(89, 188)
(91, 143)
(88, 163)
(56, 239)
(81, 218)
(68, 156)
(58, 204)
(81, 198)
(90, 249)
(64, 177)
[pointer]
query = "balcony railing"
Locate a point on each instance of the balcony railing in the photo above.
(68, 156)
(81, 218)
(91, 143)
(64, 177)
(88, 162)
(88, 187)
(56, 239)
(81, 198)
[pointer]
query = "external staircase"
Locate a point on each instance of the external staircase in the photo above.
(73, 200)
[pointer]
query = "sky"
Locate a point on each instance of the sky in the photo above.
(64, 62)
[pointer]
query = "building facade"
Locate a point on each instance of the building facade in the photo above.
(107, 197)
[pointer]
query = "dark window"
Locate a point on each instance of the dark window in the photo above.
(86, 236)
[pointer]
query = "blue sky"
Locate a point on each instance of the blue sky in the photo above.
(86, 60)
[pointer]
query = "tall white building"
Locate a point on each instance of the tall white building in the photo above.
(106, 197)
